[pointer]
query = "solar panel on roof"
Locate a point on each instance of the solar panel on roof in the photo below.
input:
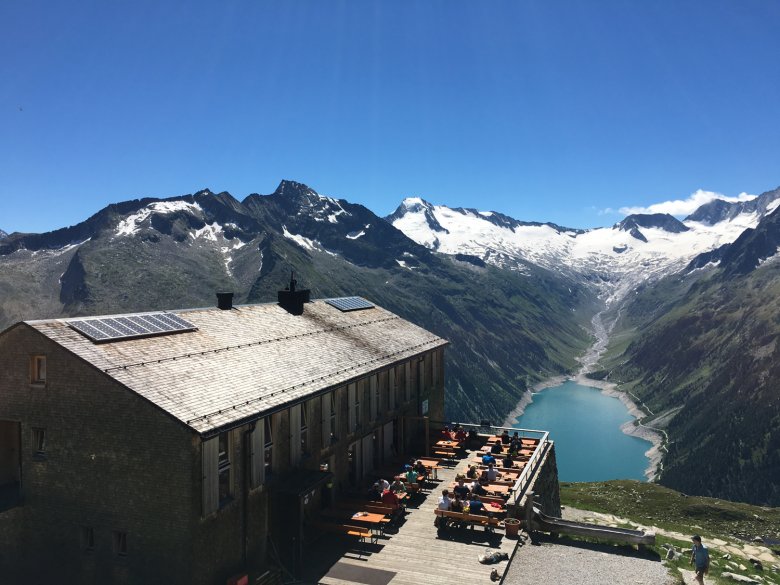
(131, 327)
(350, 303)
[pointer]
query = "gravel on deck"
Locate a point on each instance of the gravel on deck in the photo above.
(572, 562)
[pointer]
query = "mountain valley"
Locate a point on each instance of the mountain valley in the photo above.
(690, 306)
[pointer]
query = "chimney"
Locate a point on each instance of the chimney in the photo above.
(225, 300)
(292, 300)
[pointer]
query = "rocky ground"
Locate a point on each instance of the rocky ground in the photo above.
(573, 562)
(733, 560)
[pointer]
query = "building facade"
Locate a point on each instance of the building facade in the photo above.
(188, 454)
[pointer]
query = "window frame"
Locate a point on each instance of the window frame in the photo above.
(304, 428)
(225, 468)
(38, 442)
(268, 446)
(38, 373)
(119, 543)
(87, 538)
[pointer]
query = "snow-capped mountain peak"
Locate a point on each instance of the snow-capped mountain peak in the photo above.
(615, 259)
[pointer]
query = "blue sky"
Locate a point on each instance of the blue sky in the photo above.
(545, 110)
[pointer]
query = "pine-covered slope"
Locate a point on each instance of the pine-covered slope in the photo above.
(704, 351)
(505, 328)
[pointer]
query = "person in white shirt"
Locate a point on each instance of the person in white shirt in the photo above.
(384, 485)
(444, 504)
(491, 473)
(444, 500)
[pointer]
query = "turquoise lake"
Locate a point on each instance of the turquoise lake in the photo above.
(585, 425)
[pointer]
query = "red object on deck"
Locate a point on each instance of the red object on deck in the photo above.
(238, 580)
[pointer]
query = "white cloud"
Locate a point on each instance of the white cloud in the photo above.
(685, 206)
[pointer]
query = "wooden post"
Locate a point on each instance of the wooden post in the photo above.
(529, 512)
(427, 438)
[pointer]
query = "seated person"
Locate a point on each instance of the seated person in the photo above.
(374, 493)
(515, 444)
(460, 435)
(444, 504)
(476, 507)
(383, 484)
(456, 505)
(390, 499)
(477, 489)
(483, 477)
(505, 438)
(444, 500)
(507, 463)
(491, 473)
(472, 472)
(411, 476)
(421, 470)
(488, 458)
(445, 434)
(398, 486)
(461, 490)
(497, 448)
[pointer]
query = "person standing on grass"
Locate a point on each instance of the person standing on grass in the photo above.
(700, 558)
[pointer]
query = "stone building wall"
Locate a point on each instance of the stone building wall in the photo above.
(113, 465)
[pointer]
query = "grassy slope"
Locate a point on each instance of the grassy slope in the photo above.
(708, 344)
(654, 505)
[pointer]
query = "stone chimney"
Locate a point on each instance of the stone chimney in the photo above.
(291, 299)
(225, 300)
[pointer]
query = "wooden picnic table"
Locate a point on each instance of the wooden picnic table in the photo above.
(432, 465)
(448, 444)
(375, 521)
(496, 488)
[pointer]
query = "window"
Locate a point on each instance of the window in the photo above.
(223, 468)
(327, 408)
(304, 427)
(39, 443)
(408, 379)
(269, 446)
(38, 369)
(333, 410)
(373, 398)
(358, 417)
(120, 543)
(384, 391)
(88, 538)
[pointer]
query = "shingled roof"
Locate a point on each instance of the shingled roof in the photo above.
(248, 361)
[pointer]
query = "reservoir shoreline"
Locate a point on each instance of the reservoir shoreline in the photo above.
(631, 428)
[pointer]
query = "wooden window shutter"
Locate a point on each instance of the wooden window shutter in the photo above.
(257, 456)
(210, 454)
(295, 435)
(326, 430)
(408, 377)
(374, 397)
(352, 391)
(391, 395)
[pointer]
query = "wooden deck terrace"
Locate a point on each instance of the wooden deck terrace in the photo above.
(414, 553)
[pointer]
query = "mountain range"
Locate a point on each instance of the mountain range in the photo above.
(691, 304)
(692, 307)
(174, 253)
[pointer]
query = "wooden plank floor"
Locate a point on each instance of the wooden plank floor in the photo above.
(417, 554)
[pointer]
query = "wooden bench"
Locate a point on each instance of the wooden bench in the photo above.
(488, 523)
(446, 453)
(358, 531)
(375, 507)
